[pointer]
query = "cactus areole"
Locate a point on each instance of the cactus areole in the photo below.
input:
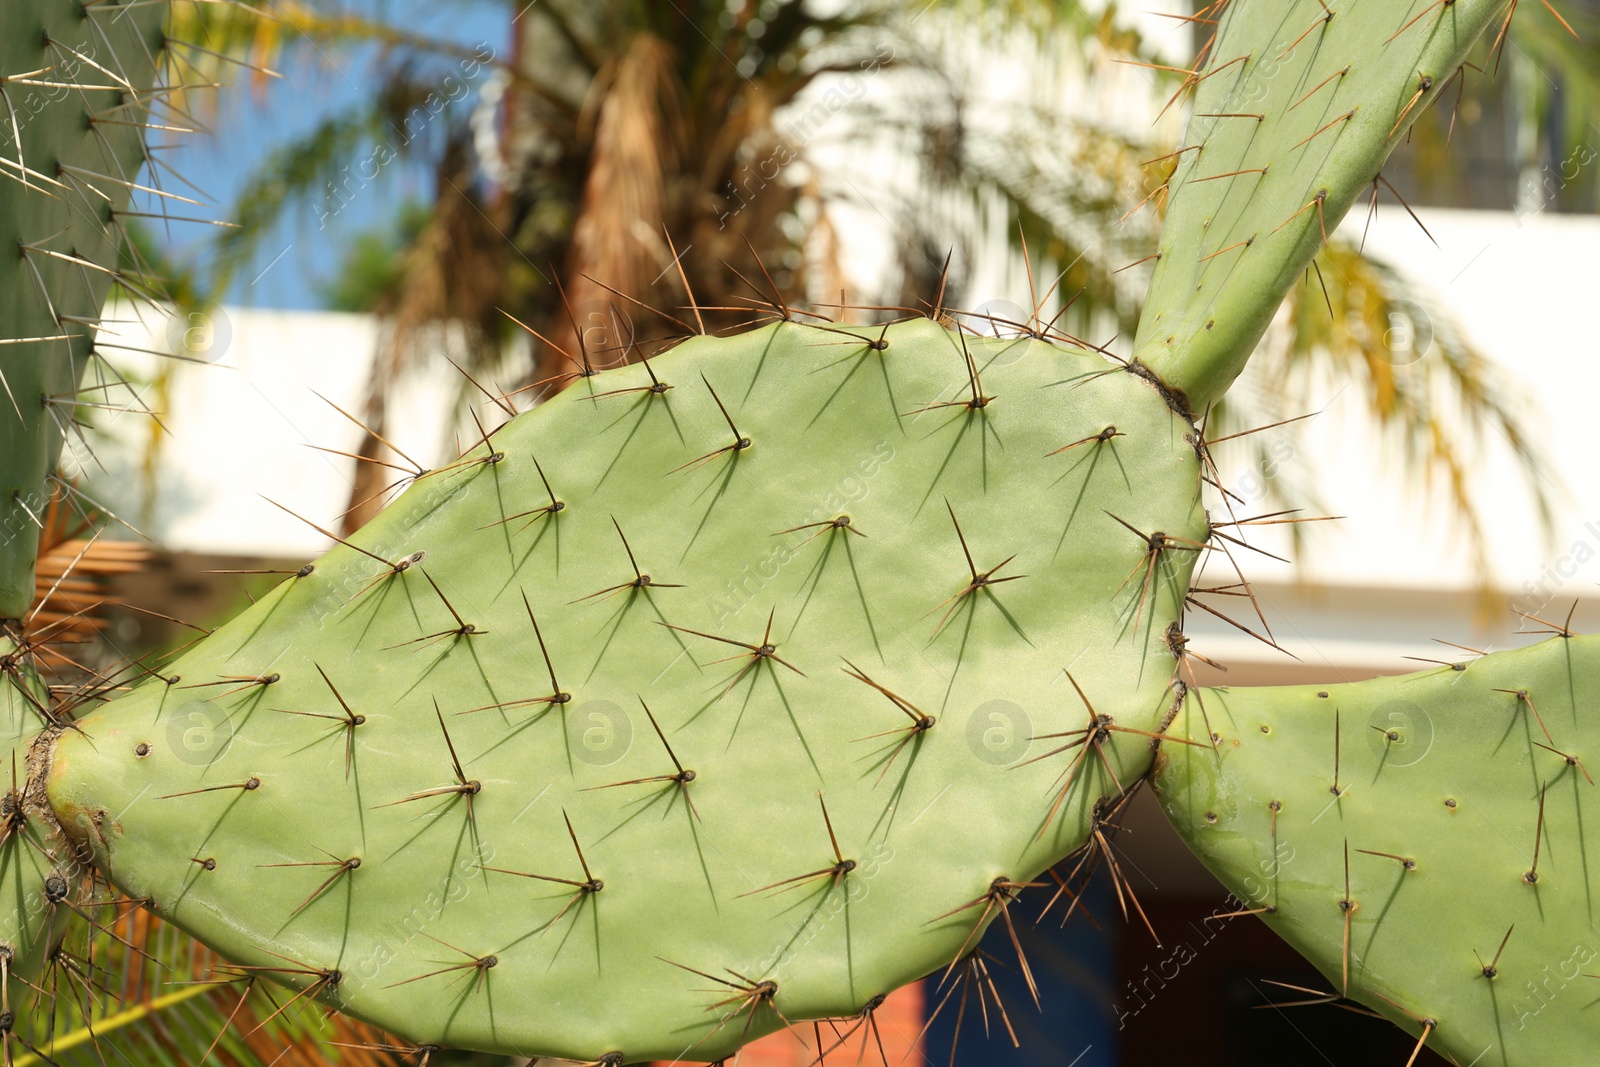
(737, 689)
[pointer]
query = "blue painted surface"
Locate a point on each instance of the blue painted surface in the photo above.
(307, 243)
(1076, 971)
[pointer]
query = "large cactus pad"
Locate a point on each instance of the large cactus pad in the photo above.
(697, 700)
(76, 81)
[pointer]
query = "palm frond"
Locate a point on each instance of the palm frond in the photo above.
(638, 138)
(1437, 402)
(158, 998)
(658, 127)
(314, 171)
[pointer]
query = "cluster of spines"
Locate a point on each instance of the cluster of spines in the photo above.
(752, 995)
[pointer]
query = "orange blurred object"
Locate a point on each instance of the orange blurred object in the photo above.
(898, 1022)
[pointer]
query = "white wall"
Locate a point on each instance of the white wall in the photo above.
(1375, 587)
(1521, 289)
(240, 429)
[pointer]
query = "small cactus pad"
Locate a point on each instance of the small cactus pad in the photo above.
(75, 83)
(698, 700)
(1421, 839)
(1297, 107)
(37, 873)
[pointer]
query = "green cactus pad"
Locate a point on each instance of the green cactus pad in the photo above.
(38, 873)
(1298, 106)
(796, 564)
(75, 84)
(1464, 803)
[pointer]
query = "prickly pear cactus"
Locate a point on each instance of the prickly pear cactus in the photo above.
(1421, 839)
(733, 691)
(75, 82)
(740, 688)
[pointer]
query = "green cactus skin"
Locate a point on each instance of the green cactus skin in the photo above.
(32, 849)
(1300, 102)
(836, 423)
(71, 75)
(1440, 779)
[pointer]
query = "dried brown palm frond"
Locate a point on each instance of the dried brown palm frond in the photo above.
(449, 285)
(633, 118)
(626, 132)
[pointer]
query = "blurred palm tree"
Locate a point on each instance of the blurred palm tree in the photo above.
(628, 152)
(624, 153)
